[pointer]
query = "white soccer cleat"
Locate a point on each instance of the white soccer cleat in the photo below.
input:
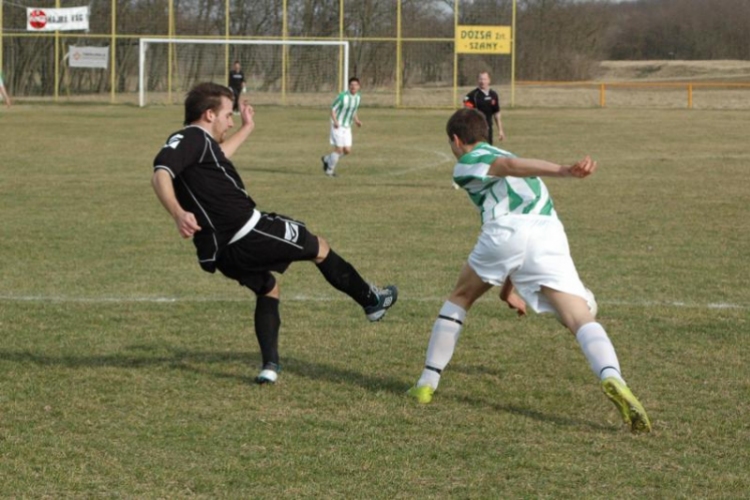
(269, 374)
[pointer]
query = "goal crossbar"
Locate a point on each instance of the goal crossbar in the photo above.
(143, 44)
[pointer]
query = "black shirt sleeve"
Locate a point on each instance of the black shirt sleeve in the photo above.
(495, 102)
(183, 148)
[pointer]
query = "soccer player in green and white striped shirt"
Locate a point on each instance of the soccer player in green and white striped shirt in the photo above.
(522, 246)
(343, 114)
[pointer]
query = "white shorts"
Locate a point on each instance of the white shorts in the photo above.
(341, 137)
(533, 251)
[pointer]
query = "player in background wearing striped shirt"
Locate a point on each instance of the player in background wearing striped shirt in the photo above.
(522, 246)
(343, 114)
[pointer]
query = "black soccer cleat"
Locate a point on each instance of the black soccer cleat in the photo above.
(326, 169)
(386, 298)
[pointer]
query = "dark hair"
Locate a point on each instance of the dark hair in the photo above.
(354, 79)
(202, 97)
(469, 125)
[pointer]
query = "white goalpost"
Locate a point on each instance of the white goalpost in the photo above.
(276, 71)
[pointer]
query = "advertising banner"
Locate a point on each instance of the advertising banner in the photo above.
(44, 19)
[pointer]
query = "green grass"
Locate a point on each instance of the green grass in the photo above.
(106, 391)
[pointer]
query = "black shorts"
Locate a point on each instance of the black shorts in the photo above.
(272, 245)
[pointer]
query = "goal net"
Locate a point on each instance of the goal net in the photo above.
(276, 72)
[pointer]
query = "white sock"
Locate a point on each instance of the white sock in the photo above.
(332, 160)
(445, 333)
(599, 351)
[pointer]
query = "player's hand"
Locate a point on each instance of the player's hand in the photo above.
(246, 114)
(186, 224)
(500, 136)
(358, 123)
(583, 168)
(335, 124)
(516, 303)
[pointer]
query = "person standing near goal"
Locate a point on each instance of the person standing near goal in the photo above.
(523, 246)
(200, 188)
(237, 84)
(343, 114)
(486, 100)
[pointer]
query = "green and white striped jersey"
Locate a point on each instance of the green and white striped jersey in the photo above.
(345, 106)
(498, 196)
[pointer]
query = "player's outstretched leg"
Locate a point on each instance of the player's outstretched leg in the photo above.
(600, 353)
(445, 333)
(446, 330)
(343, 277)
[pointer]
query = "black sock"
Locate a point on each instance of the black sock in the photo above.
(267, 324)
(343, 277)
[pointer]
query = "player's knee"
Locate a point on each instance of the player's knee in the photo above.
(275, 291)
(323, 250)
(268, 288)
(346, 151)
(463, 297)
(574, 320)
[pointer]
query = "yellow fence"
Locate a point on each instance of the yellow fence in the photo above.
(401, 49)
(404, 53)
(702, 95)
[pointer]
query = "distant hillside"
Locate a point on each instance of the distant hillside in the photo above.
(724, 71)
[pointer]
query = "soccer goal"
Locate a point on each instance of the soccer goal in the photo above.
(276, 72)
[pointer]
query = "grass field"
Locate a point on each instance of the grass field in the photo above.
(126, 371)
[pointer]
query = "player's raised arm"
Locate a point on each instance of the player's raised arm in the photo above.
(525, 167)
(232, 144)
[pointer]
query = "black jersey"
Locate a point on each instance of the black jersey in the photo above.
(236, 80)
(206, 184)
(488, 104)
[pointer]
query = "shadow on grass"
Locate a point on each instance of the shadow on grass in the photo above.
(318, 172)
(537, 415)
(177, 358)
(196, 361)
(204, 361)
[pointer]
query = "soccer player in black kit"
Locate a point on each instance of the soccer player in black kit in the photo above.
(486, 100)
(237, 84)
(202, 191)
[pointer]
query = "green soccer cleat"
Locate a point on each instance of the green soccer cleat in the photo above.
(630, 408)
(422, 394)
